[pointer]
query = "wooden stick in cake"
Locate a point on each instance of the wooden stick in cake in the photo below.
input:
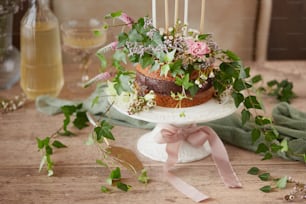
(202, 16)
(154, 12)
(176, 8)
(166, 16)
(186, 12)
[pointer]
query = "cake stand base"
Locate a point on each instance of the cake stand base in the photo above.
(147, 146)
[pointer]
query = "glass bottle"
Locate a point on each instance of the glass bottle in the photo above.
(41, 57)
(9, 55)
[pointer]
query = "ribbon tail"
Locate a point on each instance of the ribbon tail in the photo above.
(188, 190)
(185, 188)
(220, 156)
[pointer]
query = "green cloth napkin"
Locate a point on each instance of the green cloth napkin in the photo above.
(290, 122)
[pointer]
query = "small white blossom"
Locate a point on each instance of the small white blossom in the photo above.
(211, 75)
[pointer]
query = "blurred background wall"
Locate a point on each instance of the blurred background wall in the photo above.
(248, 27)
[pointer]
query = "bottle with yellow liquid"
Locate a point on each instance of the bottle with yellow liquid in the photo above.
(41, 57)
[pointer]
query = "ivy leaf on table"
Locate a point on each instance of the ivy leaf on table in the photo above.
(80, 121)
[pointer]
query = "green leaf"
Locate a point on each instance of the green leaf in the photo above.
(155, 66)
(122, 82)
(240, 85)
(120, 56)
(282, 182)
(165, 69)
(146, 60)
(264, 176)
(251, 102)
(186, 82)
(261, 120)
(284, 144)
(124, 187)
(272, 83)
(40, 143)
(115, 174)
(58, 144)
(68, 109)
(238, 98)
(275, 147)
(102, 59)
(266, 189)
(304, 156)
(229, 71)
(253, 171)
(267, 156)
(245, 116)
(255, 134)
(48, 150)
(231, 55)
(169, 56)
(262, 148)
(143, 177)
(80, 120)
(104, 130)
(257, 78)
(113, 15)
(104, 189)
(134, 36)
(203, 36)
(270, 135)
(46, 141)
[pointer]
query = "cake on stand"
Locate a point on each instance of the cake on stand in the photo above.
(178, 117)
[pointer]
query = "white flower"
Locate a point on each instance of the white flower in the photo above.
(211, 75)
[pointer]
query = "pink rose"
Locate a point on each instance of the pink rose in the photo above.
(198, 49)
(126, 19)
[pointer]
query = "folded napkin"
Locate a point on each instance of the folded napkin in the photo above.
(290, 122)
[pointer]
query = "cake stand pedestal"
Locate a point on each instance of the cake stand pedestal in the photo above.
(179, 117)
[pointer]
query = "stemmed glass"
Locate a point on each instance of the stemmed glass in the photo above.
(82, 38)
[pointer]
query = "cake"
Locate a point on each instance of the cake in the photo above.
(176, 67)
(164, 86)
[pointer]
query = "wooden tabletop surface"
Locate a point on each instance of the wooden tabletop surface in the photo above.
(78, 178)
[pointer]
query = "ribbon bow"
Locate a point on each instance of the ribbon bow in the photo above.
(173, 136)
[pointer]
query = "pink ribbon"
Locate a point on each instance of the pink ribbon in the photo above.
(173, 136)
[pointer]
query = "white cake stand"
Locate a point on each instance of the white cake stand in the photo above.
(206, 112)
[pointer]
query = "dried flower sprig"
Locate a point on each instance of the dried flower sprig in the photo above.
(9, 105)
(7, 6)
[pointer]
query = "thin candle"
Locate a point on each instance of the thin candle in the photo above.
(166, 16)
(186, 12)
(202, 16)
(176, 8)
(154, 12)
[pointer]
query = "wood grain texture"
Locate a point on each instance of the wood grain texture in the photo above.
(78, 179)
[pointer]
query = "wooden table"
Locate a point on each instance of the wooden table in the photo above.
(78, 179)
